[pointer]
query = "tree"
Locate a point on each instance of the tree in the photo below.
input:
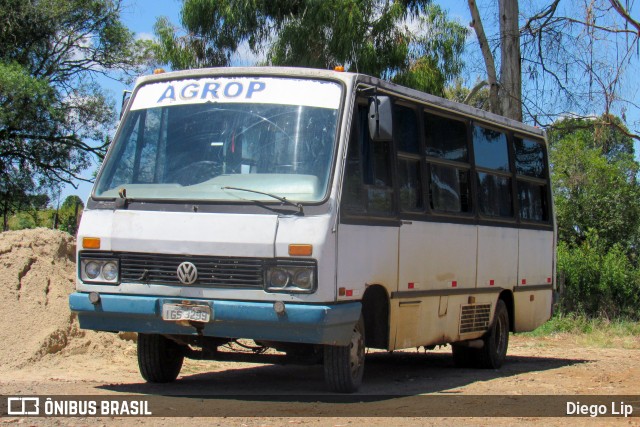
(477, 97)
(575, 58)
(597, 200)
(407, 41)
(594, 173)
(53, 114)
(15, 186)
(69, 214)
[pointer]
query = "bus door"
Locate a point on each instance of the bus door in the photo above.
(368, 234)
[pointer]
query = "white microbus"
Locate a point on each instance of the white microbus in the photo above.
(318, 213)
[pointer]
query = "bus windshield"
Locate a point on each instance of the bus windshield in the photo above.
(194, 139)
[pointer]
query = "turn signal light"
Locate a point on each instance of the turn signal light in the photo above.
(90, 243)
(300, 250)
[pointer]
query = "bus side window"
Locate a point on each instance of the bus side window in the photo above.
(532, 179)
(447, 154)
(409, 159)
(368, 188)
(494, 176)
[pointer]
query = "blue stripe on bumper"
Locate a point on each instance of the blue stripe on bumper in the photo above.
(302, 323)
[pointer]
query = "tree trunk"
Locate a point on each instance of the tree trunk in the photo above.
(510, 67)
(476, 23)
(5, 215)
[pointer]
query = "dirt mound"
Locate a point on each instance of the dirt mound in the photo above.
(37, 274)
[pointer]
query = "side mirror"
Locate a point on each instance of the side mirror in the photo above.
(380, 118)
(126, 97)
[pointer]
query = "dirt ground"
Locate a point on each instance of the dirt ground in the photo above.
(43, 352)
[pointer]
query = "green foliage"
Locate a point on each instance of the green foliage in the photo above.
(599, 332)
(367, 36)
(36, 212)
(53, 116)
(597, 201)
(460, 93)
(69, 214)
(595, 184)
(71, 202)
(434, 52)
(598, 280)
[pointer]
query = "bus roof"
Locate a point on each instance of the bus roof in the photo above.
(351, 79)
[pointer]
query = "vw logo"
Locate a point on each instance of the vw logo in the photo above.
(187, 273)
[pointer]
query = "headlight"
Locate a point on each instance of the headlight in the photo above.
(92, 269)
(291, 276)
(278, 278)
(99, 270)
(303, 278)
(110, 271)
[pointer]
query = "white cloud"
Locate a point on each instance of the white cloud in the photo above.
(144, 36)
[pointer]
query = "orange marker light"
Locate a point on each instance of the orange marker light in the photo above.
(338, 68)
(300, 250)
(158, 71)
(90, 243)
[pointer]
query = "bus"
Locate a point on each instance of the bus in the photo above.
(318, 213)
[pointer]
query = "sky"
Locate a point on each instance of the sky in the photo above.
(141, 15)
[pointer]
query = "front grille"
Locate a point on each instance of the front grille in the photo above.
(218, 272)
(474, 318)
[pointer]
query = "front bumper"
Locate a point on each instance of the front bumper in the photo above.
(301, 323)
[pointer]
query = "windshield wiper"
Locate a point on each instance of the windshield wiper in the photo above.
(281, 199)
(122, 202)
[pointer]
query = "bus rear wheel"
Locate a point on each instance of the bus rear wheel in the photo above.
(494, 351)
(159, 358)
(494, 344)
(344, 365)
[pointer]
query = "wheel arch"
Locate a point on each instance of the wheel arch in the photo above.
(507, 297)
(375, 311)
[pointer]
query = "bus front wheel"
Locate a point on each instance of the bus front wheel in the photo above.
(344, 365)
(159, 358)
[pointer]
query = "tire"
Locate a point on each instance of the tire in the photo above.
(494, 351)
(344, 365)
(159, 358)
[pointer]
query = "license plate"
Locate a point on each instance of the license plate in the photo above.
(194, 313)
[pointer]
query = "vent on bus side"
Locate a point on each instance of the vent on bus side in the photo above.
(474, 318)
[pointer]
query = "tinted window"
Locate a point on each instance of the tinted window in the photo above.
(368, 185)
(449, 190)
(490, 149)
(494, 195)
(445, 138)
(533, 201)
(529, 157)
(353, 192)
(410, 182)
(406, 129)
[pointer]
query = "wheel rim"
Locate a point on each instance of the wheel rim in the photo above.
(356, 352)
